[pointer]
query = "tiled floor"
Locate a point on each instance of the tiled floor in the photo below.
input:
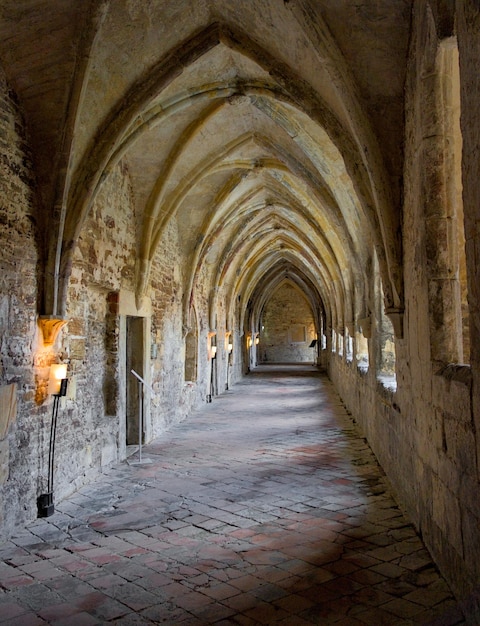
(265, 507)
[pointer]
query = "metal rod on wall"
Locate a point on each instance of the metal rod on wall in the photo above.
(141, 385)
(51, 447)
(57, 386)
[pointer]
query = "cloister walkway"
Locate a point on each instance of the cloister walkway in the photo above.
(264, 507)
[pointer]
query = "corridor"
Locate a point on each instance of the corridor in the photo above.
(264, 507)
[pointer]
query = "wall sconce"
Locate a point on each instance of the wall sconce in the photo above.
(249, 342)
(57, 386)
(212, 345)
(213, 365)
(58, 376)
(257, 340)
(229, 348)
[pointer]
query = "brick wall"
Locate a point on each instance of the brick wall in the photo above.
(21, 437)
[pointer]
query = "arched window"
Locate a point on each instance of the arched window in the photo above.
(348, 346)
(384, 336)
(361, 345)
(340, 343)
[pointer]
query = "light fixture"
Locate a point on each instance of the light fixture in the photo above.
(229, 348)
(57, 386)
(257, 340)
(212, 353)
(58, 373)
(249, 342)
(212, 345)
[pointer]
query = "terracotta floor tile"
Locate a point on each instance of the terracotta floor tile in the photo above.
(265, 613)
(219, 591)
(9, 610)
(193, 601)
(27, 619)
(11, 584)
(258, 509)
(294, 603)
(402, 608)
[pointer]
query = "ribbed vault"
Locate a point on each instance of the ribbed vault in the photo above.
(267, 162)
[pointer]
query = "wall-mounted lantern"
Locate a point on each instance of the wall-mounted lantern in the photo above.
(57, 378)
(212, 355)
(57, 386)
(212, 346)
(229, 350)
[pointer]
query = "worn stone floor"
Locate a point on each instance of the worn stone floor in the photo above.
(265, 507)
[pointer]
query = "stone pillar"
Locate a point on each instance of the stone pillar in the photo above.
(468, 27)
(469, 50)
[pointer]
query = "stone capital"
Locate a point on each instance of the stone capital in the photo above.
(51, 325)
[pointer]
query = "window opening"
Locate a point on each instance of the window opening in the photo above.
(348, 347)
(340, 343)
(361, 351)
(385, 338)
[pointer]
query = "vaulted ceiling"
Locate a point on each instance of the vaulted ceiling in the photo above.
(272, 130)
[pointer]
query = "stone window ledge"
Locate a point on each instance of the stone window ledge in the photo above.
(457, 372)
(362, 368)
(388, 384)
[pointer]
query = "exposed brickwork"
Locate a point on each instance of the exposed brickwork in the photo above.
(173, 398)
(104, 263)
(18, 301)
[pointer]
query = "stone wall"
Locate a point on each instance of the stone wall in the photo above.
(92, 425)
(175, 396)
(468, 26)
(289, 328)
(423, 434)
(91, 422)
(22, 415)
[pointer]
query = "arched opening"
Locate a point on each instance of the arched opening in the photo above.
(361, 345)
(348, 346)
(289, 327)
(384, 336)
